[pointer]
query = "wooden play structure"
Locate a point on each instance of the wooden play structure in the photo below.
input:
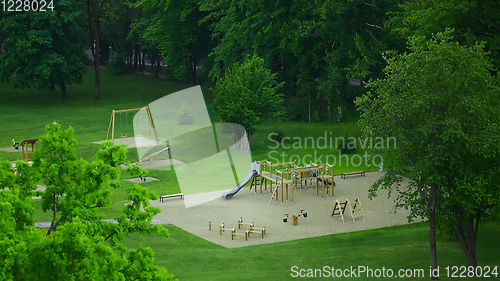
(246, 234)
(28, 154)
(324, 177)
(339, 209)
(240, 223)
(261, 231)
(295, 218)
(281, 178)
(219, 225)
(124, 132)
(286, 174)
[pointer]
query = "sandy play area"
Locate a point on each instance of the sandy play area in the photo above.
(378, 212)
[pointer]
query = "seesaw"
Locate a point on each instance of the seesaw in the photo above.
(295, 218)
(150, 157)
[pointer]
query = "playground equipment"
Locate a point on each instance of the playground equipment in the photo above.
(232, 230)
(324, 176)
(281, 179)
(339, 208)
(240, 223)
(356, 207)
(150, 157)
(246, 234)
(221, 226)
(15, 144)
(295, 218)
(127, 112)
(261, 231)
(250, 176)
(27, 155)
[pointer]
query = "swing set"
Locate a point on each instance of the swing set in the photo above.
(124, 130)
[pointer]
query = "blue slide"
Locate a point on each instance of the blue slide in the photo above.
(228, 195)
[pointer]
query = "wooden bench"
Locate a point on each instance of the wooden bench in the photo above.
(181, 195)
(362, 173)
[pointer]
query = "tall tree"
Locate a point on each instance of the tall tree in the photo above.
(472, 20)
(97, 11)
(175, 28)
(248, 94)
(442, 105)
(79, 244)
(43, 48)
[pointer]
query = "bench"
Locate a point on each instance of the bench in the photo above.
(181, 195)
(362, 173)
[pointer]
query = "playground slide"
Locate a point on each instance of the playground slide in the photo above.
(245, 180)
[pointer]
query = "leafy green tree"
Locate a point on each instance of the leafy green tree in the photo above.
(79, 244)
(43, 48)
(248, 94)
(174, 27)
(442, 105)
(472, 20)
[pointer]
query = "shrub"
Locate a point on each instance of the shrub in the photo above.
(343, 144)
(184, 117)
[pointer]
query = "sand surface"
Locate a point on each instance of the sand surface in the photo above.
(378, 213)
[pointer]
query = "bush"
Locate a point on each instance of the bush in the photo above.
(344, 146)
(117, 64)
(278, 134)
(184, 118)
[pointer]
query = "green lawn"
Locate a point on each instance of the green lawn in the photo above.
(24, 114)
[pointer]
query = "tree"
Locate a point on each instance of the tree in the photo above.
(43, 48)
(472, 20)
(175, 28)
(79, 244)
(97, 11)
(441, 103)
(247, 95)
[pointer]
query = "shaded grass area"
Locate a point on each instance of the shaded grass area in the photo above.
(401, 247)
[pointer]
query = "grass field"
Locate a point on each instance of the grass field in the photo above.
(24, 114)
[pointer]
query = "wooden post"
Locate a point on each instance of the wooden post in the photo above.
(113, 129)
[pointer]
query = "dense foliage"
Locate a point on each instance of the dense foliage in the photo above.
(442, 105)
(79, 244)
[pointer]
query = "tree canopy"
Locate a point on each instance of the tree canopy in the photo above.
(43, 48)
(247, 94)
(441, 103)
(79, 244)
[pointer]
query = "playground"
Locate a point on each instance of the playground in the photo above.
(378, 213)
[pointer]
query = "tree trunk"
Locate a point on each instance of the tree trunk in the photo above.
(330, 117)
(432, 235)
(135, 58)
(309, 106)
(468, 240)
(194, 70)
(340, 113)
(158, 65)
(52, 86)
(143, 61)
(321, 106)
(64, 94)
(97, 94)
